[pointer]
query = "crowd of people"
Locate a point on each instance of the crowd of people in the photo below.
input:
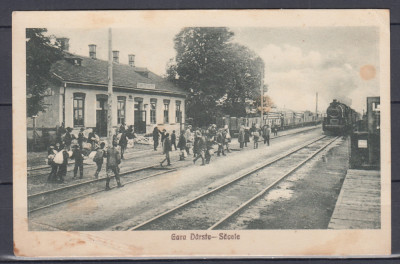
(68, 146)
(200, 143)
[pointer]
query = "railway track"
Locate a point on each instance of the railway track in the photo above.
(46, 199)
(216, 207)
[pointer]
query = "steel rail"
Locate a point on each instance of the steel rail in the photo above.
(269, 187)
(88, 182)
(251, 171)
(97, 191)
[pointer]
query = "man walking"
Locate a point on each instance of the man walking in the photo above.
(68, 139)
(156, 136)
(98, 158)
(241, 137)
(220, 142)
(189, 139)
(78, 156)
(266, 134)
(173, 139)
(182, 146)
(167, 148)
(200, 149)
(113, 160)
(123, 143)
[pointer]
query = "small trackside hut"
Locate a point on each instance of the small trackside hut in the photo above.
(365, 143)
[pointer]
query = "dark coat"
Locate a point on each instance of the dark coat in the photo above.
(100, 154)
(246, 135)
(113, 157)
(156, 134)
(173, 138)
(182, 142)
(162, 136)
(220, 138)
(167, 145)
(123, 141)
(81, 137)
(200, 144)
(67, 139)
(77, 154)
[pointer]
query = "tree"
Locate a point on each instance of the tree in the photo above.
(243, 77)
(40, 55)
(218, 75)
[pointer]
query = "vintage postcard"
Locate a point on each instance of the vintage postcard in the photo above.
(201, 133)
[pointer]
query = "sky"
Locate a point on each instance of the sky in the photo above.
(335, 62)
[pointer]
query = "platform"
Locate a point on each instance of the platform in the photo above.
(359, 202)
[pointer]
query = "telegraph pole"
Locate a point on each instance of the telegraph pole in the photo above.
(110, 90)
(262, 95)
(316, 104)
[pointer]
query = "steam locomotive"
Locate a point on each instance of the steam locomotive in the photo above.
(340, 119)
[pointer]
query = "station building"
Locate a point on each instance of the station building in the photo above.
(77, 96)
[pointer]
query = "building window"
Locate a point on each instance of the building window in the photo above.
(178, 112)
(166, 111)
(153, 108)
(79, 109)
(121, 110)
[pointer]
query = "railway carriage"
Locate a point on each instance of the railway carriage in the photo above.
(282, 118)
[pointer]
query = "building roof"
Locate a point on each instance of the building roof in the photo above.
(95, 72)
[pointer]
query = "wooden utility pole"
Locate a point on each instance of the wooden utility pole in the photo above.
(316, 105)
(110, 90)
(262, 95)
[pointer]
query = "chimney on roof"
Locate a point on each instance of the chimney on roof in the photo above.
(64, 43)
(92, 51)
(115, 56)
(131, 60)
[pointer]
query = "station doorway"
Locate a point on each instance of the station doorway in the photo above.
(140, 117)
(101, 115)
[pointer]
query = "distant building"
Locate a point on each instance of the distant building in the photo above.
(77, 96)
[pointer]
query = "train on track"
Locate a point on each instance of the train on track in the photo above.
(340, 119)
(281, 119)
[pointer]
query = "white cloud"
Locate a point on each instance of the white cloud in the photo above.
(294, 77)
(288, 57)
